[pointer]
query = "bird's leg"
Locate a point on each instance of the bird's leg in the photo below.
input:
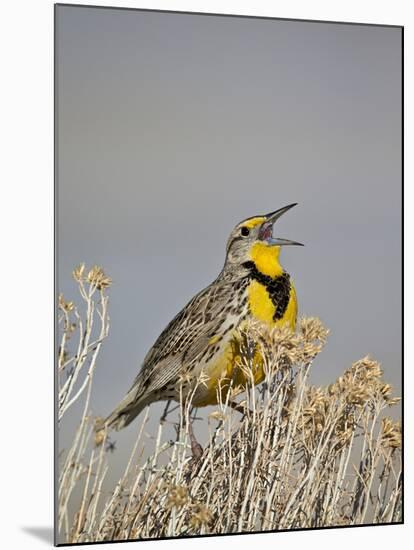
(164, 414)
(237, 407)
(196, 448)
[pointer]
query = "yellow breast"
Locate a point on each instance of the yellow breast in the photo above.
(224, 369)
(263, 309)
(266, 259)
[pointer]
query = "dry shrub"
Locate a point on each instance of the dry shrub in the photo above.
(299, 455)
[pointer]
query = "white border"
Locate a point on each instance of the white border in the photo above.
(27, 262)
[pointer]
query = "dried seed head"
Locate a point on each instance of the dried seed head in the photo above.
(185, 378)
(77, 273)
(358, 396)
(393, 401)
(312, 329)
(66, 306)
(310, 351)
(201, 516)
(97, 277)
(177, 496)
(386, 390)
(203, 378)
(391, 434)
(100, 431)
(366, 369)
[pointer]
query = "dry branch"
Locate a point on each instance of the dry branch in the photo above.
(299, 455)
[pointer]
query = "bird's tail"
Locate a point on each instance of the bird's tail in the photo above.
(130, 407)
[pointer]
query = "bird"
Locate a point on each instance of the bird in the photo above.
(202, 339)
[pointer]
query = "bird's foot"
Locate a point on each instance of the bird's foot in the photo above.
(196, 450)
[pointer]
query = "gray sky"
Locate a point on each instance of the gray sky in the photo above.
(173, 128)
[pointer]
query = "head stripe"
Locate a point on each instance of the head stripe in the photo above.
(253, 222)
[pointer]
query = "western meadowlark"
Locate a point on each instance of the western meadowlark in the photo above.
(202, 337)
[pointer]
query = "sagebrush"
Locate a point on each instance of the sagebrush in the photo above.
(297, 456)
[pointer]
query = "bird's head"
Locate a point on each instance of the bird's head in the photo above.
(252, 240)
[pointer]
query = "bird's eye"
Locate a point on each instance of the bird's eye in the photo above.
(244, 231)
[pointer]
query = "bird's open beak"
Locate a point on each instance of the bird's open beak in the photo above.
(266, 230)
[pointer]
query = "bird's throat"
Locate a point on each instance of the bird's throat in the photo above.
(266, 259)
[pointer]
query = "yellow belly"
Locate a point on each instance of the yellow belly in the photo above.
(224, 369)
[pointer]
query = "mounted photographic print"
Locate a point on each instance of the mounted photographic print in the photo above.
(228, 274)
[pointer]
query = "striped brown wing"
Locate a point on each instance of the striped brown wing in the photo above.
(184, 339)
